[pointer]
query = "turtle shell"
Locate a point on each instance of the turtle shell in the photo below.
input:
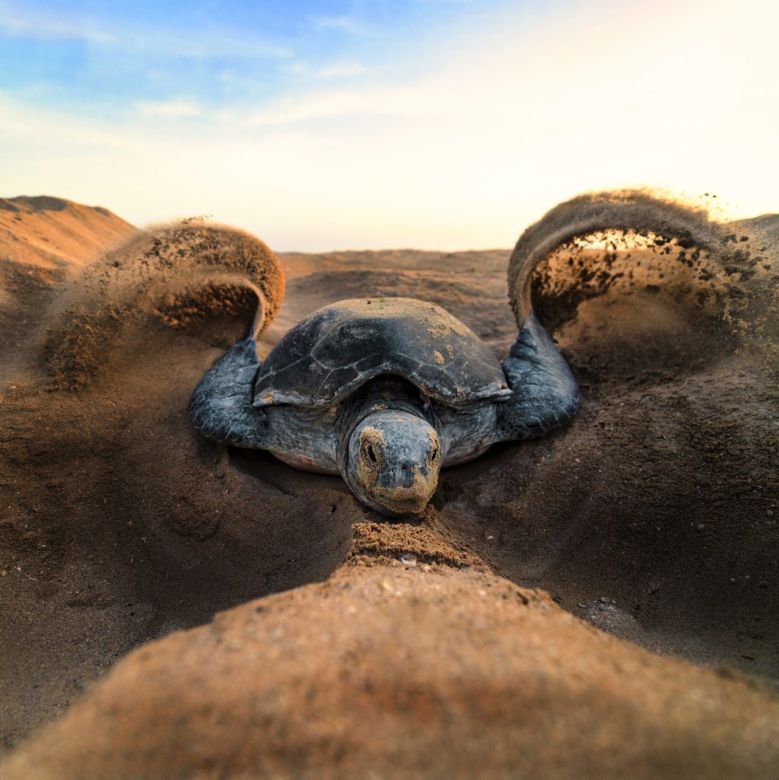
(338, 348)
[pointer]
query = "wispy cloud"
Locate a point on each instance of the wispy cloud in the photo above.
(369, 101)
(20, 22)
(178, 108)
(197, 44)
(27, 24)
(339, 70)
(345, 24)
(336, 69)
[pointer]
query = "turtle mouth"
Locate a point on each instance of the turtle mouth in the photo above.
(401, 500)
(406, 498)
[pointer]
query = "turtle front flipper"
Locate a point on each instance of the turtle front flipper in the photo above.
(221, 405)
(544, 392)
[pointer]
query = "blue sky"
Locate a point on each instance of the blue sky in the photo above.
(109, 57)
(429, 123)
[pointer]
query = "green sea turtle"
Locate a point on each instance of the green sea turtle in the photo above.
(385, 392)
(382, 391)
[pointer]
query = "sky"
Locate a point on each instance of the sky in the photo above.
(440, 124)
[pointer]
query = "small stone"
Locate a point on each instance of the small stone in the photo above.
(700, 526)
(769, 512)
(733, 580)
(3, 573)
(407, 559)
(581, 605)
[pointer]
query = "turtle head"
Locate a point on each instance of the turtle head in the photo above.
(393, 461)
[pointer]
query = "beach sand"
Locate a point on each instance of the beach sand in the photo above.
(653, 517)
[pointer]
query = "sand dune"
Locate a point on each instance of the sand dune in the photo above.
(53, 233)
(42, 241)
(653, 517)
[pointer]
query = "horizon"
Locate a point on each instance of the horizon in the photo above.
(434, 124)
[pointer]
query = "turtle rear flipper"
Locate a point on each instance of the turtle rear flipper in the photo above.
(545, 395)
(179, 274)
(221, 405)
(544, 392)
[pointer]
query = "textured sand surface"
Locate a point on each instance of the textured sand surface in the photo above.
(407, 672)
(654, 516)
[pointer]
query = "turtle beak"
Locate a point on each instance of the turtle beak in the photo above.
(405, 487)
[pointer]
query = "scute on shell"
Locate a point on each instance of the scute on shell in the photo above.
(338, 348)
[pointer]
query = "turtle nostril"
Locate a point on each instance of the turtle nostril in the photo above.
(434, 455)
(371, 453)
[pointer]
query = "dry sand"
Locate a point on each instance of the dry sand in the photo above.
(407, 673)
(653, 516)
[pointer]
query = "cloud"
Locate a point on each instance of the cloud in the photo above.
(339, 70)
(365, 102)
(168, 109)
(344, 24)
(137, 39)
(17, 24)
(336, 69)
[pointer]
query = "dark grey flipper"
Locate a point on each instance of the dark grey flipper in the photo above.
(221, 406)
(545, 394)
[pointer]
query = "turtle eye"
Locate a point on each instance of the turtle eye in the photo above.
(371, 453)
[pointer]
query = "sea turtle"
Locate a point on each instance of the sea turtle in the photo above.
(386, 392)
(383, 392)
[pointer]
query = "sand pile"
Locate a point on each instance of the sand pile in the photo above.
(407, 672)
(42, 241)
(52, 233)
(654, 516)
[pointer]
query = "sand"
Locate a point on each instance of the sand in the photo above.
(407, 672)
(653, 517)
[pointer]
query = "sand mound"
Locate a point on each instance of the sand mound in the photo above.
(722, 272)
(51, 233)
(653, 516)
(180, 273)
(42, 241)
(401, 673)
